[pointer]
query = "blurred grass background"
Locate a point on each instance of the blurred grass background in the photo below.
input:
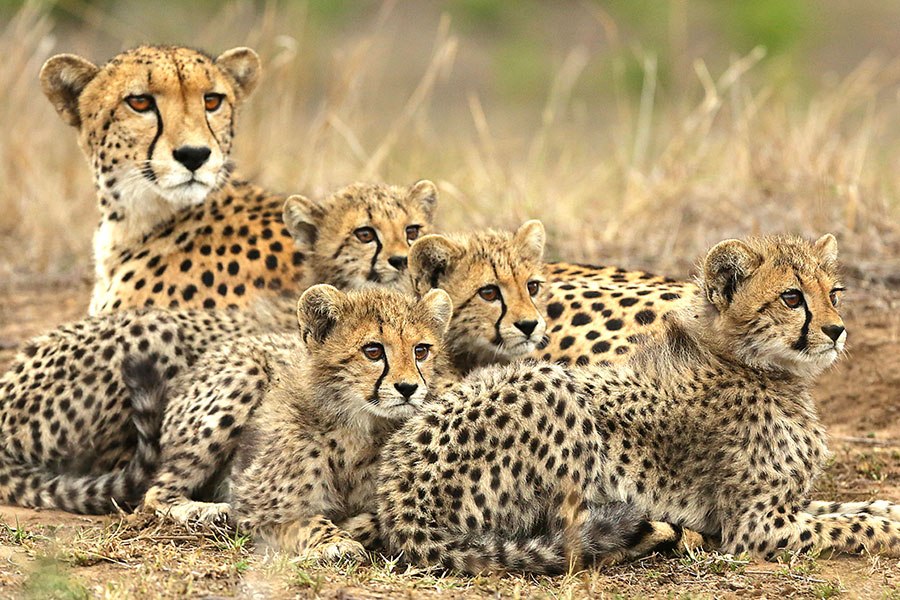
(640, 131)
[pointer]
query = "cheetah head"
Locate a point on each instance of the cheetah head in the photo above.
(776, 300)
(494, 279)
(156, 122)
(360, 236)
(372, 352)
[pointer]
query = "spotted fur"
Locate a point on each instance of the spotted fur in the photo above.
(308, 453)
(602, 315)
(710, 427)
(176, 229)
(494, 279)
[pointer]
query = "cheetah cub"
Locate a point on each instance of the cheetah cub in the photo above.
(492, 277)
(310, 452)
(712, 427)
(75, 434)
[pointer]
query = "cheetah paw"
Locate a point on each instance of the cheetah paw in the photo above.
(690, 540)
(337, 549)
(213, 513)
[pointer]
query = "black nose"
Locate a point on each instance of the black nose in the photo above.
(833, 331)
(398, 262)
(526, 327)
(192, 157)
(407, 389)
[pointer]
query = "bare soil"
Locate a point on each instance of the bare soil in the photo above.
(50, 554)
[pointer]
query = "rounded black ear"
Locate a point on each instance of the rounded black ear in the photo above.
(301, 217)
(243, 66)
(438, 309)
(424, 193)
(429, 258)
(530, 239)
(63, 78)
(318, 311)
(727, 265)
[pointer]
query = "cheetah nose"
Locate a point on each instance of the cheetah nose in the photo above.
(833, 331)
(192, 157)
(398, 262)
(526, 327)
(406, 389)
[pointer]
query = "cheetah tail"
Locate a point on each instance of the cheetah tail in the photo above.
(610, 529)
(876, 508)
(39, 486)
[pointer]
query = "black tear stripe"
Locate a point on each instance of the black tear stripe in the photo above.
(422, 377)
(803, 341)
(373, 276)
(497, 338)
(384, 372)
(148, 168)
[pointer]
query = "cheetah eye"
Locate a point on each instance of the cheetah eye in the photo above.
(422, 351)
(365, 234)
(213, 101)
(534, 287)
(140, 103)
(833, 295)
(489, 293)
(792, 298)
(412, 232)
(373, 351)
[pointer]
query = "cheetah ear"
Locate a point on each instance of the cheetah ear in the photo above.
(63, 78)
(301, 217)
(530, 239)
(318, 310)
(727, 265)
(438, 310)
(826, 246)
(425, 193)
(430, 257)
(242, 65)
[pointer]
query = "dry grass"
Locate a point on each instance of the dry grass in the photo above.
(647, 181)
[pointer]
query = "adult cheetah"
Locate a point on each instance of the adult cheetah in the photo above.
(176, 228)
(710, 427)
(602, 315)
(70, 424)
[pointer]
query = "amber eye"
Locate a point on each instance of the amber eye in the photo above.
(412, 232)
(534, 287)
(489, 293)
(793, 298)
(212, 101)
(373, 351)
(365, 234)
(141, 103)
(422, 351)
(833, 295)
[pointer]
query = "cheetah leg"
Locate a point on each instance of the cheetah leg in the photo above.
(201, 429)
(876, 508)
(315, 538)
(803, 532)
(364, 529)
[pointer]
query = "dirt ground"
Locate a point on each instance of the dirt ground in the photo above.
(49, 554)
